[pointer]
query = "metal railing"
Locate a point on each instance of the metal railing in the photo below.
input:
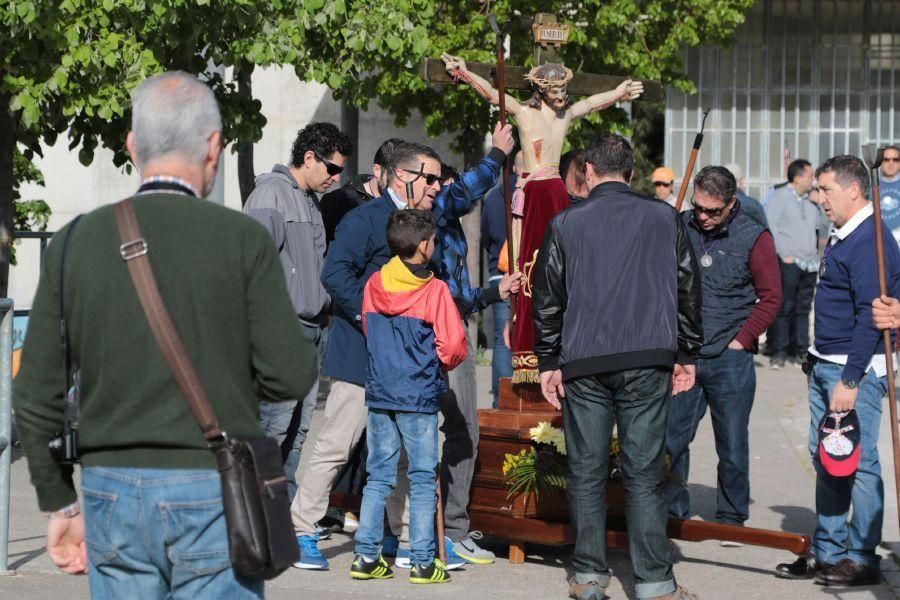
(6, 326)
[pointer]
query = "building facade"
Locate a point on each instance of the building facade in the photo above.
(803, 79)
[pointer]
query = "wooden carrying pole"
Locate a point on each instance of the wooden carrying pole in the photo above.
(501, 92)
(873, 158)
(698, 140)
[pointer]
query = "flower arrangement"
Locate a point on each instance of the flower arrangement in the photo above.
(539, 468)
(542, 467)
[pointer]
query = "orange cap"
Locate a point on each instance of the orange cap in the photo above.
(664, 174)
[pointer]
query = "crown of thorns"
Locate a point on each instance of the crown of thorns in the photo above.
(544, 83)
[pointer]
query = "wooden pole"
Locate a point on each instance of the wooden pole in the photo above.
(501, 91)
(698, 140)
(873, 161)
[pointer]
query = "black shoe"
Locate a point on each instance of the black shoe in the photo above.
(364, 569)
(848, 572)
(804, 567)
(436, 572)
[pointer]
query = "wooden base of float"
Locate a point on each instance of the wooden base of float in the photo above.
(545, 519)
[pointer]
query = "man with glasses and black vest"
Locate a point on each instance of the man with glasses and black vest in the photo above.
(741, 286)
(285, 202)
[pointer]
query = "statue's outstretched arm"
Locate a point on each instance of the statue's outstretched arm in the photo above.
(627, 90)
(456, 67)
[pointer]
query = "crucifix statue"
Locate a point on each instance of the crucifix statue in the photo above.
(543, 121)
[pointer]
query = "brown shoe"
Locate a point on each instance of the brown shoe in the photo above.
(849, 573)
(679, 594)
(586, 591)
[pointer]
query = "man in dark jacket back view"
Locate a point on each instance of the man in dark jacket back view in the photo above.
(617, 319)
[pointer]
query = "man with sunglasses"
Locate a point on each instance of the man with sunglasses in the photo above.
(285, 202)
(741, 293)
(890, 189)
(359, 249)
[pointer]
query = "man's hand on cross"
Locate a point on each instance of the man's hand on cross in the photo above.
(502, 139)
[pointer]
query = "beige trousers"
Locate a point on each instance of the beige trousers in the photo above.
(345, 421)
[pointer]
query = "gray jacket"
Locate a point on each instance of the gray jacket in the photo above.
(793, 221)
(291, 215)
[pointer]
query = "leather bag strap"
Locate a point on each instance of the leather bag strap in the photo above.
(134, 252)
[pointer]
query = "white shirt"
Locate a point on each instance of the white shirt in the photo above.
(877, 363)
(397, 202)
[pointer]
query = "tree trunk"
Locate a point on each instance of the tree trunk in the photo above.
(245, 168)
(7, 210)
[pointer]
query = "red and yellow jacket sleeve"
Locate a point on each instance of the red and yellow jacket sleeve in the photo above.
(449, 334)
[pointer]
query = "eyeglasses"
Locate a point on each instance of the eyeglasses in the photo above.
(330, 167)
(891, 159)
(710, 212)
(661, 184)
(430, 178)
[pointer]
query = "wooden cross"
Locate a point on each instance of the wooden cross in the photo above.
(548, 34)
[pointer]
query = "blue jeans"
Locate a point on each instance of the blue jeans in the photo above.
(635, 401)
(288, 422)
(158, 533)
(727, 384)
(834, 538)
(501, 360)
(385, 431)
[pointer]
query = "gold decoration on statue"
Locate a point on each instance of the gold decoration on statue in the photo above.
(527, 269)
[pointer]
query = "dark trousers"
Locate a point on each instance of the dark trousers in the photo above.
(791, 327)
(634, 401)
(727, 384)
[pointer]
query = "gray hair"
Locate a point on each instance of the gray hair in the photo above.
(173, 114)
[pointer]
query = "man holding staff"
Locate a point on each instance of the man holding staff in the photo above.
(846, 369)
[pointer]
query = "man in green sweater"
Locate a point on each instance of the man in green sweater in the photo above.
(153, 523)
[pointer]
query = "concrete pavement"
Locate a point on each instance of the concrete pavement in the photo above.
(782, 498)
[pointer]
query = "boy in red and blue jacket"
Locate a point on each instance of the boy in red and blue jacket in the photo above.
(413, 335)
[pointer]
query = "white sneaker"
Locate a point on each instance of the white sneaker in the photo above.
(351, 522)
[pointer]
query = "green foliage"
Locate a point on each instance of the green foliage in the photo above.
(641, 39)
(70, 65)
(32, 215)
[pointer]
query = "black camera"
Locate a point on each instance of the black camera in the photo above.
(64, 446)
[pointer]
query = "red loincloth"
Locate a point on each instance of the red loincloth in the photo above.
(543, 199)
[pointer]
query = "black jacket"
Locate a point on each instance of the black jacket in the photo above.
(338, 203)
(616, 287)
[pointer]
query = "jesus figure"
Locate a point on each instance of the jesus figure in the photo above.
(543, 121)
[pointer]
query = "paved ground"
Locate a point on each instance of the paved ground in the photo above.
(782, 499)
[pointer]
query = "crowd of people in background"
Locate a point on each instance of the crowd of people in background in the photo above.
(380, 264)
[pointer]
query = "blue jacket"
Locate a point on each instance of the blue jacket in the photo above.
(848, 283)
(413, 333)
(360, 249)
(493, 224)
(449, 259)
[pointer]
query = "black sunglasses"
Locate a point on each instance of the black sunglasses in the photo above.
(429, 177)
(330, 167)
(710, 212)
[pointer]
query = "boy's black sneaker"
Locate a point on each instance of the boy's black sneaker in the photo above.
(436, 572)
(364, 569)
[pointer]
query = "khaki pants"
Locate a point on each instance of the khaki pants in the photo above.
(345, 420)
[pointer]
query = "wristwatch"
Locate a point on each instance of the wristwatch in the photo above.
(66, 512)
(850, 384)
